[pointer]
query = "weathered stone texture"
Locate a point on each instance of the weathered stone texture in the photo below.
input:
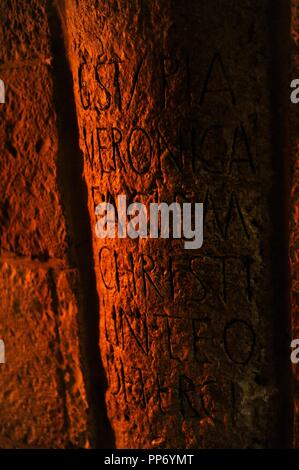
(43, 398)
(173, 105)
(32, 223)
(24, 31)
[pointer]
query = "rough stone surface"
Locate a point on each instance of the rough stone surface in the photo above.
(173, 105)
(43, 397)
(32, 223)
(24, 31)
(174, 101)
(43, 402)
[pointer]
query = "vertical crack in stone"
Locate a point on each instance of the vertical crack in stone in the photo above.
(74, 194)
(279, 207)
(57, 350)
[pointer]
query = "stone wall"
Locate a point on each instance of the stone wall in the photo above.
(142, 343)
(173, 104)
(43, 395)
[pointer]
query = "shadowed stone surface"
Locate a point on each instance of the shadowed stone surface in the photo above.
(42, 393)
